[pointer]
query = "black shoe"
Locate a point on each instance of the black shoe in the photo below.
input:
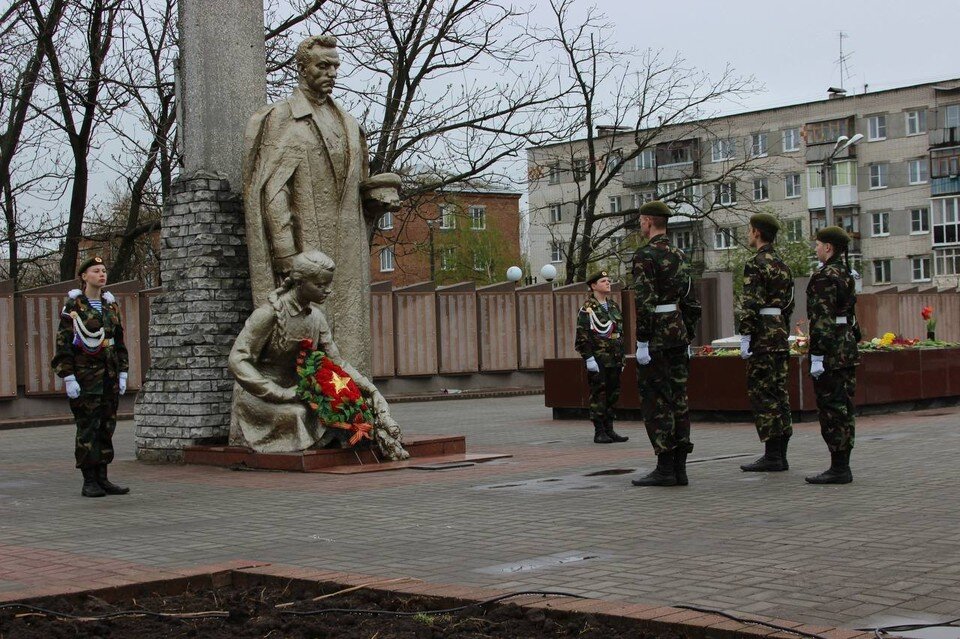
(91, 488)
(771, 462)
(784, 440)
(838, 473)
(600, 435)
(108, 486)
(662, 475)
(680, 468)
(612, 434)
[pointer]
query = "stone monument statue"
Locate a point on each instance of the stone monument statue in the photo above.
(306, 186)
(270, 413)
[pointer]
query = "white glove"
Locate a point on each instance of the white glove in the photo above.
(73, 387)
(123, 383)
(643, 353)
(816, 366)
(745, 347)
(689, 351)
(592, 365)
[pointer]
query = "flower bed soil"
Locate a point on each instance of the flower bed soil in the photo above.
(252, 613)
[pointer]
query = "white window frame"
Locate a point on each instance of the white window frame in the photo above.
(877, 128)
(884, 270)
(915, 122)
(613, 203)
(448, 258)
(951, 116)
(556, 213)
(918, 171)
(385, 223)
(761, 189)
(880, 224)
(724, 238)
(556, 252)
(942, 257)
(793, 136)
(553, 173)
(725, 193)
(387, 260)
(646, 159)
(758, 145)
(926, 267)
(478, 217)
(946, 216)
(919, 220)
(448, 217)
(879, 176)
(682, 239)
(792, 182)
(723, 150)
(793, 229)
(579, 169)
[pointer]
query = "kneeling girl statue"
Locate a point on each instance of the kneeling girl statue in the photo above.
(295, 390)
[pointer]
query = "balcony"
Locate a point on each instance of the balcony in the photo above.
(818, 153)
(945, 186)
(947, 137)
(642, 177)
(841, 196)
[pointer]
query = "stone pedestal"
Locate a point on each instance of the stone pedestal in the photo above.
(206, 298)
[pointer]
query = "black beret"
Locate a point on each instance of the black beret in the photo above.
(765, 222)
(596, 276)
(87, 263)
(834, 235)
(656, 208)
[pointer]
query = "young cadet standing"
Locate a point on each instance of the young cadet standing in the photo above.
(600, 342)
(767, 304)
(667, 317)
(834, 334)
(92, 360)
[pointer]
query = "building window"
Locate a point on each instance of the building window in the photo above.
(948, 261)
(921, 269)
(794, 229)
(825, 132)
(945, 163)
(758, 145)
(791, 140)
(878, 176)
(448, 259)
(725, 193)
(917, 170)
(792, 185)
(613, 203)
(556, 214)
(843, 174)
(646, 160)
(480, 263)
(675, 153)
(877, 127)
(946, 221)
(386, 259)
(761, 190)
(952, 117)
(553, 173)
(881, 271)
(724, 238)
(478, 218)
(916, 122)
(880, 224)
(683, 240)
(448, 217)
(556, 252)
(919, 220)
(723, 150)
(639, 199)
(385, 223)
(579, 169)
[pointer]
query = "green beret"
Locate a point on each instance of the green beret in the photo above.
(656, 208)
(765, 222)
(87, 263)
(834, 235)
(596, 276)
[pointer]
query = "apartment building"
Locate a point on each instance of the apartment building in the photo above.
(897, 191)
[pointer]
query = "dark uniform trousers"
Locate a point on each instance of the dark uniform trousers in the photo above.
(96, 417)
(769, 398)
(663, 390)
(835, 390)
(604, 392)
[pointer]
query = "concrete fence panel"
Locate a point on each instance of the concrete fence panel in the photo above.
(8, 338)
(382, 330)
(457, 325)
(536, 321)
(497, 310)
(415, 313)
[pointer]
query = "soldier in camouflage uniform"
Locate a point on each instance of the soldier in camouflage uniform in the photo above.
(667, 316)
(600, 342)
(834, 334)
(92, 360)
(766, 306)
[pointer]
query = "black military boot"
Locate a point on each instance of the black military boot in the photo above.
(91, 488)
(838, 473)
(680, 467)
(600, 435)
(771, 462)
(108, 486)
(612, 434)
(784, 440)
(662, 475)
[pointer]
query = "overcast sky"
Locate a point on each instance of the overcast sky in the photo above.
(793, 48)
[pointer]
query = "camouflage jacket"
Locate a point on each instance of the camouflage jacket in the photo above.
(98, 371)
(662, 276)
(831, 294)
(767, 283)
(600, 332)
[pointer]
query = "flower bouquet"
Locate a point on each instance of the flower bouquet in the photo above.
(927, 314)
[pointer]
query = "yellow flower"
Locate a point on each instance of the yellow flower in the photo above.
(887, 339)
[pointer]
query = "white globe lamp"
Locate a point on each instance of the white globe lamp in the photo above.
(548, 272)
(514, 274)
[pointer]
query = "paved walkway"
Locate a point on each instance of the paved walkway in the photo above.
(885, 548)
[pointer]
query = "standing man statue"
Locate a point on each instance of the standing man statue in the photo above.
(306, 186)
(764, 328)
(667, 316)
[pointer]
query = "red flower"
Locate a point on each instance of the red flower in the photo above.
(306, 344)
(927, 312)
(336, 384)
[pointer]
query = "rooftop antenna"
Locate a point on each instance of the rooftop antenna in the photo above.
(842, 61)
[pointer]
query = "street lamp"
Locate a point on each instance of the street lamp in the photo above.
(843, 143)
(433, 264)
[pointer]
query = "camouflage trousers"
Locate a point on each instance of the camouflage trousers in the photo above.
(769, 399)
(604, 392)
(96, 417)
(834, 391)
(663, 393)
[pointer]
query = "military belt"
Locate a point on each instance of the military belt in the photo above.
(664, 308)
(769, 310)
(840, 319)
